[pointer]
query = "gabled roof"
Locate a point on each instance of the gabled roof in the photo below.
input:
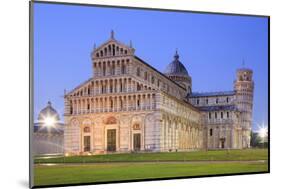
(206, 94)
(112, 40)
(80, 85)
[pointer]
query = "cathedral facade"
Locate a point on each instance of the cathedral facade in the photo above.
(130, 106)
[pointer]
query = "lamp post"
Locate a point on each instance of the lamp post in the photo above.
(49, 121)
(263, 133)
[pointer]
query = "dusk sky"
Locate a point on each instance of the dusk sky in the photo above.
(210, 46)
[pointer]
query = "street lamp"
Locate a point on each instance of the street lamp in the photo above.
(49, 121)
(262, 132)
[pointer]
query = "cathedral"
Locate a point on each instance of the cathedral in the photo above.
(129, 106)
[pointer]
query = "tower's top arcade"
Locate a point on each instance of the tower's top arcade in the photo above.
(244, 74)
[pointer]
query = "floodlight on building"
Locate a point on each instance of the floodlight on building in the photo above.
(262, 131)
(49, 121)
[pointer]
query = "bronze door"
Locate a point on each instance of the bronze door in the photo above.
(111, 140)
(222, 142)
(137, 142)
(87, 143)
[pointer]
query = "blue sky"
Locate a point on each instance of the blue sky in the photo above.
(211, 47)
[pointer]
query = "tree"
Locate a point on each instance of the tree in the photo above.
(255, 139)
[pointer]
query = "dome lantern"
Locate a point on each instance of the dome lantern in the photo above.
(178, 73)
(176, 68)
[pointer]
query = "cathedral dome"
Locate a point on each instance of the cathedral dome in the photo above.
(48, 111)
(176, 68)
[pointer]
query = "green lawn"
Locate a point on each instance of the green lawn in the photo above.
(89, 173)
(248, 154)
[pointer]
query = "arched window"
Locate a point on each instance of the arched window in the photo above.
(113, 50)
(216, 115)
(227, 114)
(138, 87)
(97, 55)
(111, 88)
(207, 101)
(109, 49)
(105, 52)
(240, 78)
(152, 80)
(111, 103)
(101, 53)
(221, 114)
(103, 87)
(210, 115)
(123, 69)
(217, 100)
(121, 104)
(113, 69)
(145, 75)
(121, 87)
(88, 106)
(211, 132)
(227, 100)
(126, 52)
(138, 103)
(197, 102)
(104, 69)
(138, 71)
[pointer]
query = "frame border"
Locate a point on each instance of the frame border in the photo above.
(31, 90)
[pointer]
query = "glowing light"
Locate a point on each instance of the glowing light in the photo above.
(49, 121)
(262, 132)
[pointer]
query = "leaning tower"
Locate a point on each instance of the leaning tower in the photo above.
(244, 88)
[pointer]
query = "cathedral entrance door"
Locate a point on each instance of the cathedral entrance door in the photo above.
(137, 142)
(87, 143)
(222, 142)
(111, 140)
